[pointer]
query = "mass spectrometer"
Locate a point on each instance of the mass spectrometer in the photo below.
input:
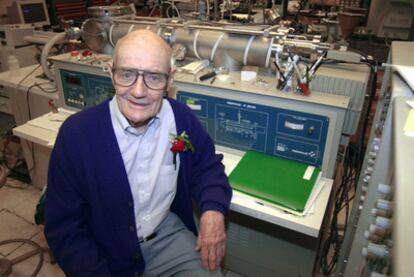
(270, 113)
(309, 134)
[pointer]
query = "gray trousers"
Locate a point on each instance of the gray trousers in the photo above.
(172, 252)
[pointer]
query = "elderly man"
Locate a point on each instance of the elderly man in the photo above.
(120, 196)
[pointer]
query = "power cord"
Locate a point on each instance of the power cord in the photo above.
(28, 92)
(9, 160)
(352, 163)
(38, 85)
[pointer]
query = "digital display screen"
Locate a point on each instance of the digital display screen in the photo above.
(73, 80)
(33, 13)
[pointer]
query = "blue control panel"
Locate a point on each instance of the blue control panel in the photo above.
(82, 90)
(245, 126)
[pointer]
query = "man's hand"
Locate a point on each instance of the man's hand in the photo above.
(211, 240)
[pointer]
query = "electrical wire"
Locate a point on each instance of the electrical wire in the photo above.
(27, 76)
(4, 162)
(9, 160)
(8, 135)
(347, 174)
(351, 169)
(28, 92)
(38, 85)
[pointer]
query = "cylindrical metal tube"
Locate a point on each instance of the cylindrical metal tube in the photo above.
(120, 29)
(225, 45)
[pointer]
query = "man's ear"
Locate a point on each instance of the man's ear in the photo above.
(108, 68)
(169, 91)
(173, 68)
(171, 78)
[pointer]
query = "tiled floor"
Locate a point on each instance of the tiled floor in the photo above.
(17, 206)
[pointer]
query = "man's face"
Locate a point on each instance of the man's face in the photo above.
(139, 103)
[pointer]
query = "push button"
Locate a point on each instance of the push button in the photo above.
(311, 130)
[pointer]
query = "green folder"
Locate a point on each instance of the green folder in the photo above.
(275, 180)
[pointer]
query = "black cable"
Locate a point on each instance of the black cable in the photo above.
(27, 76)
(370, 101)
(7, 139)
(46, 90)
(28, 101)
(30, 115)
(40, 87)
(33, 155)
(7, 154)
(352, 163)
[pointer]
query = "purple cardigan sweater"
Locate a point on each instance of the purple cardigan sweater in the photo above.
(90, 222)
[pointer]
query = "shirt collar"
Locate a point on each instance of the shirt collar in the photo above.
(123, 122)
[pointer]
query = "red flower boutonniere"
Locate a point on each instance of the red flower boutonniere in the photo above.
(180, 143)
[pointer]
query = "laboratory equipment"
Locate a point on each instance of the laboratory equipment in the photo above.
(391, 19)
(12, 43)
(378, 240)
(33, 12)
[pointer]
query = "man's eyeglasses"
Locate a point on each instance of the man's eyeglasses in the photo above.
(128, 77)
